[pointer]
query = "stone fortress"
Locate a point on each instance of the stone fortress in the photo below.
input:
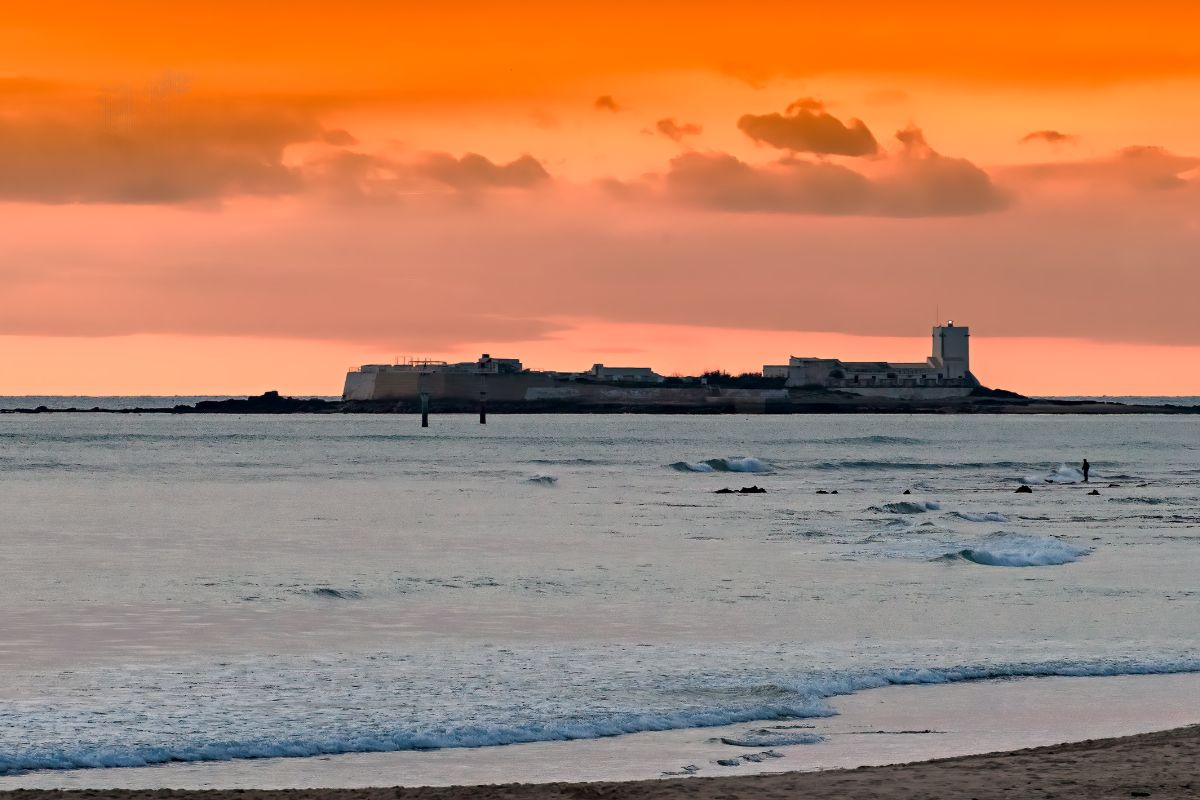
(946, 373)
(944, 376)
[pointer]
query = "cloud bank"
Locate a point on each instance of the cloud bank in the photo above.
(917, 183)
(807, 128)
(676, 131)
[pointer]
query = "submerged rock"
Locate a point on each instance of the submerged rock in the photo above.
(1023, 489)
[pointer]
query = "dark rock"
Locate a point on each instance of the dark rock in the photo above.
(265, 403)
(906, 491)
(822, 491)
(834, 491)
(1094, 491)
(753, 490)
(724, 491)
(1023, 489)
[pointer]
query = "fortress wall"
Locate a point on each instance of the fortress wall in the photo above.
(359, 386)
(450, 385)
(908, 392)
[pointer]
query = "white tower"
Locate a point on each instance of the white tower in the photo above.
(951, 349)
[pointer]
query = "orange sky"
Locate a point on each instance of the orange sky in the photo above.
(230, 197)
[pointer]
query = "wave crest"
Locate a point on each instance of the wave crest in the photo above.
(1063, 473)
(908, 507)
(735, 464)
(1020, 550)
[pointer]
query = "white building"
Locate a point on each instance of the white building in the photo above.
(947, 370)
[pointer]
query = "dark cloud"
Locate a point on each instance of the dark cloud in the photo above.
(180, 152)
(1141, 168)
(721, 181)
(917, 183)
(675, 131)
(162, 148)
(605, 102)
(474, 171)
(363, 177)
(924, 183)
(1049, 137)
(807, 128)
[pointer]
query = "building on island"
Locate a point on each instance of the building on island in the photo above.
(948, 370)
(484, 365)
(944, 375)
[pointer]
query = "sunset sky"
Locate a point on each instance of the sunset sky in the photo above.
(238, 196)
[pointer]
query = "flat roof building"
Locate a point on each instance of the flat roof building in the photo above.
(948, 366)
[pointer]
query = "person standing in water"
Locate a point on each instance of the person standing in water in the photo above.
(1086, 468)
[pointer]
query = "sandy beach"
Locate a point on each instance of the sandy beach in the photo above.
(1159, 765)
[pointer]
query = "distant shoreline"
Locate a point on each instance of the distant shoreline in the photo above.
(800, 402)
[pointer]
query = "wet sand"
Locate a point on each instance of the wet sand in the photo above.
(1158, 765)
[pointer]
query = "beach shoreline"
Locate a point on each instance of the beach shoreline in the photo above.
(886, 726)
(1163, 764)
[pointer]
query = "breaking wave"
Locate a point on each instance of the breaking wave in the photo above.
(908, 507)
(1063, 473)
(542, 480)
(989, 516)
(805, 697)
(1020, 550)
(738, 464)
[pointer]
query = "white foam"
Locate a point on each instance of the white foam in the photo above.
(1063, 473)
(731, 464)
(908, 507)
(802, 697)
(772, 737)
(1020, 550)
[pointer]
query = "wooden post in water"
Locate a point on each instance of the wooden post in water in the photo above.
(424, 409)
(482, 407)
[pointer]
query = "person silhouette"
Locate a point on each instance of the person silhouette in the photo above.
(1086, 468)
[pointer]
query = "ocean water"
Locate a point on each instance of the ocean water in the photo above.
(207, 589)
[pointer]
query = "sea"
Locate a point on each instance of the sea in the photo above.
(263, 601)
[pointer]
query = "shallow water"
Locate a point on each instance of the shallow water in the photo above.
(200, 588)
